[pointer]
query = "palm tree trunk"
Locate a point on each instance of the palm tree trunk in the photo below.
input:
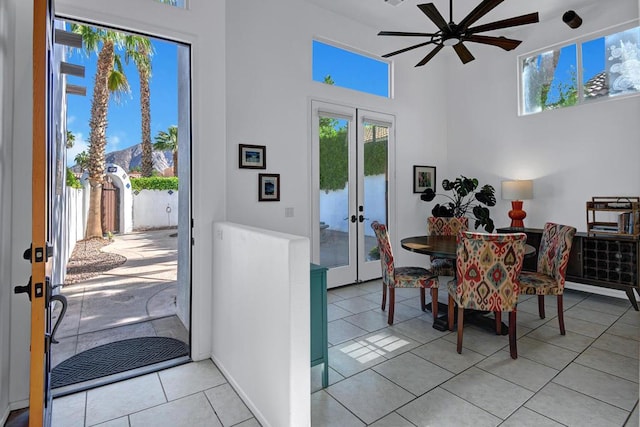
(145, 112)
(175, 162)
(98, 139)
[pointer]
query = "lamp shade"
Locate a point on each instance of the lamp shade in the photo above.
(517, 190)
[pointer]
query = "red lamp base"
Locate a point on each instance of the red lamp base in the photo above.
(517, 214)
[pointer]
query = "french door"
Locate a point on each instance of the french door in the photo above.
(351, 158)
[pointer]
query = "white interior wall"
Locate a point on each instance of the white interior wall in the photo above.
(269, 92)
(261, 320)
(7, 33)
(571, 154)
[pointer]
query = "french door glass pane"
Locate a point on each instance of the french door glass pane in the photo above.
(334, 192)
(376, 142)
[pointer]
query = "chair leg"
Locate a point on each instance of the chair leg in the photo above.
(434, 302)
(541, 306)
(561, 315)
(450, 314)
(498, 315)
(460, 326)
(392, 303)
(384, 295)
(423, 305)
(513, 346)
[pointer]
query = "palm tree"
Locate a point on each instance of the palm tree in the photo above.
(82, 160)
(109, 80)
(71, 140)
(168, 141)
(140, 50)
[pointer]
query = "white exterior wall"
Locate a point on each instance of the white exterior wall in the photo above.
(155, 209)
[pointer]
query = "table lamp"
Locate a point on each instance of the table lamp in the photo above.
(517, 191)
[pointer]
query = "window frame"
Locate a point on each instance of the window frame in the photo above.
(578, 41)
(360, 52)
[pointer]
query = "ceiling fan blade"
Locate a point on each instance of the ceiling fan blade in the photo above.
(463, 53)
(430, 10)
(402, 33)
(530, 18)
(407, 49)
(503, 42)
(482, 9)
(430, 55)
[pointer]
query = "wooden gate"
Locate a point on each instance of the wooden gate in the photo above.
(110, 207)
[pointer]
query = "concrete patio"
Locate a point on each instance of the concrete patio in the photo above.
(136, 299)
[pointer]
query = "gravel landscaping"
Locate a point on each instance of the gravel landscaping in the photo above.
(88, 260)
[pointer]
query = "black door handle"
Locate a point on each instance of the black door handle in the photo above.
(63, 300)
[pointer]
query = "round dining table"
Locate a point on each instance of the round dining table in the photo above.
(445, 247)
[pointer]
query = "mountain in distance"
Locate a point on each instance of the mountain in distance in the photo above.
(131, 158)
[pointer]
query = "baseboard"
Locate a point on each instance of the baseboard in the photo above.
(247, 401)
(5, 415)
(615, 293)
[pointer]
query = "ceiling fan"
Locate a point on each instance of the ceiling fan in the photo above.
(452, 34)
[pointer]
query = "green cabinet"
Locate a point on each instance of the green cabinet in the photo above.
(319, 346)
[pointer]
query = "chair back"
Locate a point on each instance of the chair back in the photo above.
(386, 254)
(438, 226)
(555, 247)
(488, 266)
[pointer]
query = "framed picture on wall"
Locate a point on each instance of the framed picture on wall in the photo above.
(424, 177)
(252, 156)
(269, 187)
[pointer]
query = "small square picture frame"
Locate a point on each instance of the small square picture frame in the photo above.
(424, 177)
(252, 156)
(269, 187)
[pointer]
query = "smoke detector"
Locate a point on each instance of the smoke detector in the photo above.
(393, 2)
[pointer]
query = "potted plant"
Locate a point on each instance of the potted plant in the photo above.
(464, 197)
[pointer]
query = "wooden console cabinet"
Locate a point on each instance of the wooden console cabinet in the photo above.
(608, 261)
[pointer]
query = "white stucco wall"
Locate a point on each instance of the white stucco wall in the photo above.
(155, 208)
(261, 320)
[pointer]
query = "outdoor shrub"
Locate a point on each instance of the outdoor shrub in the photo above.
(155, 183)
(71, 180)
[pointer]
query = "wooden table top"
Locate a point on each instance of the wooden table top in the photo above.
(442, 246)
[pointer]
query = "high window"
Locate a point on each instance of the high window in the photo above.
(594, 68)
(340, 67)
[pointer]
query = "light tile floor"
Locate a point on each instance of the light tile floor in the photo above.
(409, 374)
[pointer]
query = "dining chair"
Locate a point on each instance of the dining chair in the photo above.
(445, 226)
(549, 277)
(402, 277)
(487, 269)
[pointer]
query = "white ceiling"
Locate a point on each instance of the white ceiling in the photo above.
(407, 17)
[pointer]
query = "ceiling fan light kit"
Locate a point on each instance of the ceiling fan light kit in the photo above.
(393, 2)
(452, 34)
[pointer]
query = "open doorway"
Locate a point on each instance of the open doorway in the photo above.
(128, 285)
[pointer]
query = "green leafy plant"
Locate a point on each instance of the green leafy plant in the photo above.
(464, 197)
(155, 183)
(71, 180)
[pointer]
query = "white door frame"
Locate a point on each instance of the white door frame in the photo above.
(359, 269)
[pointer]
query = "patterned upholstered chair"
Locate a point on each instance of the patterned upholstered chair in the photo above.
(553, 257)
(438, 226)
(488, 266)
(402, 277)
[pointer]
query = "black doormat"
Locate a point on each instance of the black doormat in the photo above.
(116, 357)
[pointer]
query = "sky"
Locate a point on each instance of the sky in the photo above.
(350, 70)
(123, 128)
